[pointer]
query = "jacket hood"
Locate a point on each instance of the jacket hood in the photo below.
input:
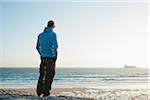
(47, 29)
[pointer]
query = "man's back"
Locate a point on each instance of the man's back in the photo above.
(47, 43)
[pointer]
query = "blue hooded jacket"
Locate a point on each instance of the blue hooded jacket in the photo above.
(47, 43)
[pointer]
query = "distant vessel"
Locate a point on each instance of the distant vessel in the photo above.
(126, 66)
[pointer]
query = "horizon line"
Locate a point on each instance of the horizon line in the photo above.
(84, 67)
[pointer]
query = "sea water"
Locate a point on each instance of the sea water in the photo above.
(74, 77)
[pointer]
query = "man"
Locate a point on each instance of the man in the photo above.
(47, 48)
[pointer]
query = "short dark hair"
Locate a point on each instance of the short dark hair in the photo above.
(50, 23)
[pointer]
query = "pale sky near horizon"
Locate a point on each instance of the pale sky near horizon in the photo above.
(90, 34)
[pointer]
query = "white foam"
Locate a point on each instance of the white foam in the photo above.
(111, 94)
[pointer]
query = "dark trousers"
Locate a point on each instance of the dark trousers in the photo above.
(47, 72)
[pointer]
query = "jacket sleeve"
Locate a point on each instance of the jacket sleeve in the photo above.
(37, 45)
(54, 42)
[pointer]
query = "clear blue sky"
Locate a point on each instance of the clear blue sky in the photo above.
(90, 34)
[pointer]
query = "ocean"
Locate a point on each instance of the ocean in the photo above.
(74, 77)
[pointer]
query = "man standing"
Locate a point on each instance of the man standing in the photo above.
(47, 48)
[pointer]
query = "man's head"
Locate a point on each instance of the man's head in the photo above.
(51, 24)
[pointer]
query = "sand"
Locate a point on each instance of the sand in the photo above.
(77, 93)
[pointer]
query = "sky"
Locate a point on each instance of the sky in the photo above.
(90, 34)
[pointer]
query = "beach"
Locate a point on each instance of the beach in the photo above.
(77, 93)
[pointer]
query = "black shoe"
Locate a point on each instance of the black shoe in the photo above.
(46, 94)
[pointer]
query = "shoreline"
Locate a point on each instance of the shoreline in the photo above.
(102, 86)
